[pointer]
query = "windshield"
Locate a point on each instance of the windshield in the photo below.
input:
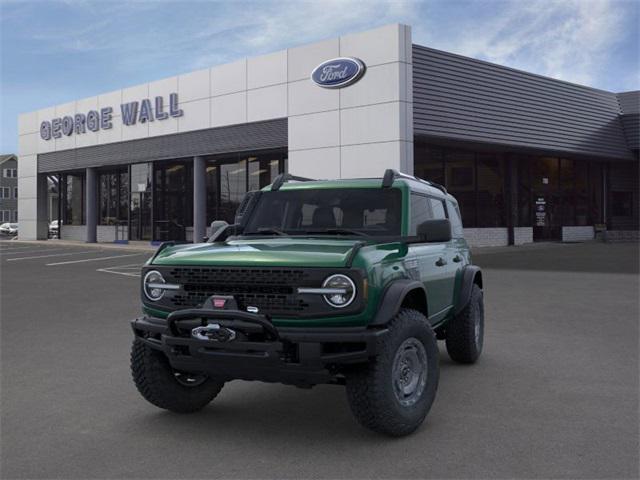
(336, 211)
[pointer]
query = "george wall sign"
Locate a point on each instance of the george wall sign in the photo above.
(94, 120)
(338, 72)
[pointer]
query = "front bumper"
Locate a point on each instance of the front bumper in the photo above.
(260, 351)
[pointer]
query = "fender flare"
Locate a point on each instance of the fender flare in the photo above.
(392, 298)
(471, 274)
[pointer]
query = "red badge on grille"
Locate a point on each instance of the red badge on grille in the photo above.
(219, 302)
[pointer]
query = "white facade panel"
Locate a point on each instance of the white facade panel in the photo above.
(315, 130)
(316, 163)
(229, 78)
(370, 159)
(306, 97)
(382, 84)
(87, 139)
(196, 116)
(374, 47)
(370, 124)
(164, 127)
(303, 59)
(113, 134)
(194, 85)
(267, 70)
(28, 123)
(131, 94)
(131, 132)
(87, 104)
(229, 109)
(28, 144)
(27, 166)
(111, 99)
(267, 103)
(161, 88)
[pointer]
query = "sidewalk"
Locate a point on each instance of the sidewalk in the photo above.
(131, 246)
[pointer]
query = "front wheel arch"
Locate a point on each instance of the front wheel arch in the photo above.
(402, 293)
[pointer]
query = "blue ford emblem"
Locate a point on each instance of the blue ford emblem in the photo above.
(338, 73)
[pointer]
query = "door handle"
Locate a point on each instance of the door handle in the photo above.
(441, 262)
(457, 258)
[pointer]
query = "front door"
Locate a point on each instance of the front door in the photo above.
(546, 201)
(140, 216)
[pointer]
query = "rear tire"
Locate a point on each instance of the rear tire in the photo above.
(465, 332)
(165, 388)
(394, 393)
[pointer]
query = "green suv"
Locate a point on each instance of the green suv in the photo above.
(347, 282)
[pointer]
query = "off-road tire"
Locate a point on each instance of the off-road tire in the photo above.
(370, 388)
(462, 345)
(156, 382)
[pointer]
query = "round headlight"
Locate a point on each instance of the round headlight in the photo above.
(150, 285)
(344, 290)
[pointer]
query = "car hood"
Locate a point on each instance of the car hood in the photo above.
(271, 252)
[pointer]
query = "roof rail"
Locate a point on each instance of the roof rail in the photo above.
(390, 175)
(284, 178)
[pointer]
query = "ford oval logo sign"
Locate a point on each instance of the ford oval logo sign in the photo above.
(338, 73)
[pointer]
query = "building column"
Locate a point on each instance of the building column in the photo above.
(199, 199)
(512, 199)
(91, 205)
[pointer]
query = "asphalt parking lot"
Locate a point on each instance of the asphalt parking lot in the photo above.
(555, 394)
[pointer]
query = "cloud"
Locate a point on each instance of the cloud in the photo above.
(569, 40)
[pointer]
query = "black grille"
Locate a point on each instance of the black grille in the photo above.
(272, 291)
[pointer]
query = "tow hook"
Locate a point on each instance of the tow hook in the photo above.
(214, 332)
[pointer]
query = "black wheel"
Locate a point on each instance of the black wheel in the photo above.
(166, 388)
(394, 393)
(465, 332)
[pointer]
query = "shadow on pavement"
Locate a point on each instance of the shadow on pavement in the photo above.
(583, 257)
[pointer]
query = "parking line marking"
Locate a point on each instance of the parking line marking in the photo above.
(20, 249)
(22, 252)
(94, 259)
(52, 255)
(107, 270)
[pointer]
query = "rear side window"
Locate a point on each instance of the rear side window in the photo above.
(420, 211)
(456, 221)
(437, 207)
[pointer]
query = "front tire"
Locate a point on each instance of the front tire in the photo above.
(465, 332)
(394, 393)
(166, 388)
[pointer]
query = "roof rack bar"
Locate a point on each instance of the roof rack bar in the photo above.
(284, 178)
(390, 175)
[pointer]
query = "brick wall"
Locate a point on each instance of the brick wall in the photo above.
(73, 232)
(486, 237)
(577, 234)
(614, 236)
(522, 235)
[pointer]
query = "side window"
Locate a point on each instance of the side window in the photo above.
(438, 208)
(456, 221)
(420, 211)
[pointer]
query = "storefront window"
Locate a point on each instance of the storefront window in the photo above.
(230, 177)
(460, 176)
(491, 199)
(173, 200)
(73, 199)
(113, 188)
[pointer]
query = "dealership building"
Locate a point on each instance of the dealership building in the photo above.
(529, 158)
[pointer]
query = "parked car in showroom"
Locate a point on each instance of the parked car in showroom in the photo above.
(9, 229)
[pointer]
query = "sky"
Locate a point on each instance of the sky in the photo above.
(55, 51)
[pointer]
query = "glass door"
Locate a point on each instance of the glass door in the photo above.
(140, 216)
(140, 219)
(546, 199)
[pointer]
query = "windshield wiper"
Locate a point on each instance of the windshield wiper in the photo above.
(338, 231)
(266, 230)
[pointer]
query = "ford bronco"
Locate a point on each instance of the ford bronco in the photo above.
(346, 282)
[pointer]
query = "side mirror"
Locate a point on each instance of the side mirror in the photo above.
(438, 230)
